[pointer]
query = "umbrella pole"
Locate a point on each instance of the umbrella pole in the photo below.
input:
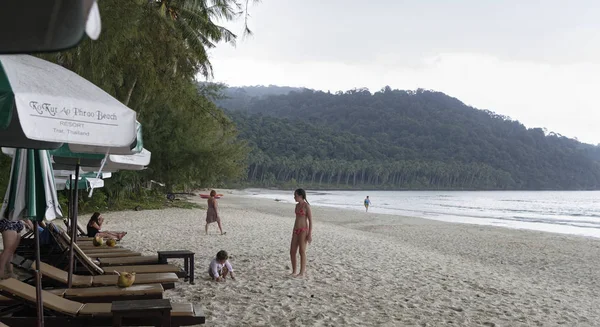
(70, 210)
(38, 277)
(73, 227)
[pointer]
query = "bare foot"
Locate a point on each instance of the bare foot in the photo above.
(293, 274)
(300, 275)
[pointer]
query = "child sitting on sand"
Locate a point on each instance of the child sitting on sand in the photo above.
(220, 267)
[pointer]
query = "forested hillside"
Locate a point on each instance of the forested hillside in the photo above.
(401, 139)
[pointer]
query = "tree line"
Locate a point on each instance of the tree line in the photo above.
(401, 139)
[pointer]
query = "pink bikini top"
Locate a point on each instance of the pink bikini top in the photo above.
(300, 212)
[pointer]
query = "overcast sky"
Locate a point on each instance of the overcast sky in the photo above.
(535, 61)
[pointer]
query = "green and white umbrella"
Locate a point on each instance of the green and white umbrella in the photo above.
(43, 105)
(87, 180)
(84, 183)
(63, 158)
(31, 194)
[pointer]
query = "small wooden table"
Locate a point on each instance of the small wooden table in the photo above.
(188, 261)
(142, 309)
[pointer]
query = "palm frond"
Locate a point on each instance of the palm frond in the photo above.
(205, 27)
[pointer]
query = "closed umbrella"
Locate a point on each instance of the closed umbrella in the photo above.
(31, 194)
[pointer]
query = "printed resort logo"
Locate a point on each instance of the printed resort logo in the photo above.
(44, 108)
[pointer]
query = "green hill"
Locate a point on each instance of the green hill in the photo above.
(397, 139)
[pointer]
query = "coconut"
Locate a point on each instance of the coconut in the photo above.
(98, 241)
(111, 242)
(125, 279)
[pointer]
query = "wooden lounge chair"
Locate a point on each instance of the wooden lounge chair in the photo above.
(111, 258)
(109, 261)
(93, 251)
(125, 265)
(81, 232)
(64, 312)
(167, 280)
(115, 254)
(102, 294)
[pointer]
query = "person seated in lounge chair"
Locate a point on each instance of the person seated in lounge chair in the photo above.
(94, 227)
(45, 236)
(220, 267)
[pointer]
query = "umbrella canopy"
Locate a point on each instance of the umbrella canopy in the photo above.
(67, 173)
(87, 180)
(63, 158)
(84, 183)
(43, 105)
(31, 192)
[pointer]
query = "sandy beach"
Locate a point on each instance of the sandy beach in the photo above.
(373, 270)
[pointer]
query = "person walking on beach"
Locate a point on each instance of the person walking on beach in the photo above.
(367, 203)
(302, 233)
(212, 214)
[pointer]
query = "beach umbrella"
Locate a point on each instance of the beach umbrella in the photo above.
(31, 194)
(43, 105)
(63, 158)
(84, 183)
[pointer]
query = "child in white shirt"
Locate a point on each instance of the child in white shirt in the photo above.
(220, 267)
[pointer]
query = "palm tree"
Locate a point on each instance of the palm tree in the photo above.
(195, 20)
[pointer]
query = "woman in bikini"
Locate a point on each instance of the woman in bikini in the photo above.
(302, 234)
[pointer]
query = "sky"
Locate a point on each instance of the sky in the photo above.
(535, 61)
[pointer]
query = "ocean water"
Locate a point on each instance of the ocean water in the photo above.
(567, 212)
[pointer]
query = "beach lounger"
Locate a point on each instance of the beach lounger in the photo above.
(112, 259)
(94, 269)
(80, 231)
(96, 250)
(90, 246)
(64, 312)
(64, 239)
(103, 294)
(116, 254)
(106, 261)
(167, 279)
